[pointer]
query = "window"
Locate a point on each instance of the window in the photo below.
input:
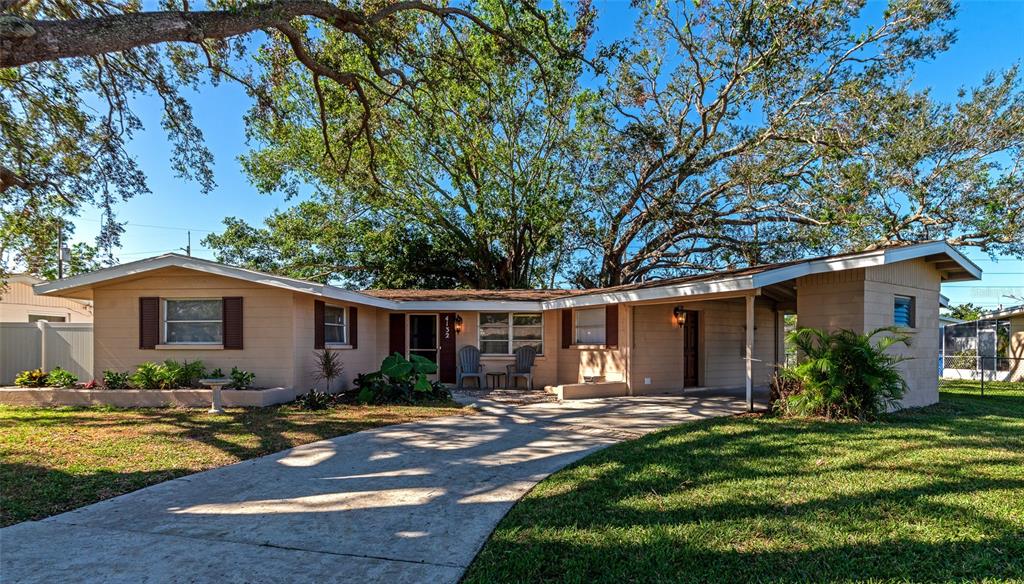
(194, 321)
(590, 326)
(903, 311)
(335, 329)
(46, 317)
(501, 333)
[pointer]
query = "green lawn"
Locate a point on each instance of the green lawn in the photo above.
(935, 494)
(56, 459)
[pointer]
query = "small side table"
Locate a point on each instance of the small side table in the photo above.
(217, 384)
(494, 380)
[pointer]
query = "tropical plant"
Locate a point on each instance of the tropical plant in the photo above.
(31, 378)
(177, 375)
(328, 367)
(241, 379)
(314, 400)
(60, 377)
(148, 375)
(400, 381)
(843, 374)
(116, 379)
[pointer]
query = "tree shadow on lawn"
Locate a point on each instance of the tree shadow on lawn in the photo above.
(59, 459)
(936, 494)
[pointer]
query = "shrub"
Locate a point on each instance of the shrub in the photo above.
(241, 379)
(91, 384)
(31, 378)
(328, 367)
(400, 381)
(843, 374)
(314, 400)
(216, 373)
(116, 379)
(149, 375)
(60, 377)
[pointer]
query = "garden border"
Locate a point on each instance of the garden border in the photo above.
(143, 398)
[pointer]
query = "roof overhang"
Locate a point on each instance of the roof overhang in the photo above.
(68, 286)
(951, 263)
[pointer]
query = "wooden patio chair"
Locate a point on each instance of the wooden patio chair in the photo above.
(522, 367)
(469, 367)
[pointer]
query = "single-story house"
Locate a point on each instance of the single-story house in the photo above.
(714, 330)
(18, 303)
(991, 345)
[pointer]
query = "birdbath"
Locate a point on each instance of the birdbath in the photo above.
(217, 384)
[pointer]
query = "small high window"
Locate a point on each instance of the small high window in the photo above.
(194, 321)
(903, 311)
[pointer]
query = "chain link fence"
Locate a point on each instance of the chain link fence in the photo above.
(983, 356)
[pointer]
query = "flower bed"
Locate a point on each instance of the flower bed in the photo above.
(142, 398)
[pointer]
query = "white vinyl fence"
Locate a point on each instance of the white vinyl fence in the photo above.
(28, 345)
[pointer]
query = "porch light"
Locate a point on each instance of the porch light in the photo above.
(680, 315)
(458, 324)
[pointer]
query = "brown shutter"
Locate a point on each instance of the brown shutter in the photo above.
(353, 327)
(396, 333)
(611, 325)
(566, 327)
(318, 324)
(149, 322)
(232, 322)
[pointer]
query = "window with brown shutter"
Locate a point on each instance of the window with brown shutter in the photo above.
(318, 324)
(149, 322)
(232, 315)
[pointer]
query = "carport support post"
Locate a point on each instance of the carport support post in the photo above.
(750, 353)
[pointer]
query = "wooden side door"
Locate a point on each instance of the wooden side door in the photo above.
(691, 349)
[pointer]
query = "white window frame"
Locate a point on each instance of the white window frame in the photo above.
(576, 328)
(343, 326)
(510, 330)
(164, 321)
(912, 313)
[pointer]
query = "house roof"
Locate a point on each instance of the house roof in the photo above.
(953, 265)
(1003, 312)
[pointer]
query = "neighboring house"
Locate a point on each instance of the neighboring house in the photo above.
(18, 303)
(992, 344)
(722, 329)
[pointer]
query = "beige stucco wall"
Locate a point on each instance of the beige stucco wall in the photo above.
(862, 300)
(364, 358)
(657, 350)
(267, 326)
(18, 301)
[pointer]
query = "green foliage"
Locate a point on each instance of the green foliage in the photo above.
(60, 377)
(31, 378)
(400, 381)
(241, 379)
(315, 400)
(147, 376)
(966, 311)
(116, 379)
(327, 367)
(842, 374)
(181, 375)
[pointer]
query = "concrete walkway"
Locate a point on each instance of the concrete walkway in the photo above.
(406, 503)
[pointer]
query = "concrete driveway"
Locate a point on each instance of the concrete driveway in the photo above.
(406, 503)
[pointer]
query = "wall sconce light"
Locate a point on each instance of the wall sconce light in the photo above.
(458, 324)
(680, 315)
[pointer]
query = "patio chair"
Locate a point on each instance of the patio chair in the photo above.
(469, 367)
(523, 367)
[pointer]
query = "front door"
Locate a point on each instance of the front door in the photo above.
(423, 336)
(690, 349)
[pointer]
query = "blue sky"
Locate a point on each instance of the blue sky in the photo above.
(989, 38)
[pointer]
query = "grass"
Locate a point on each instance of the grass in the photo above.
(935, 494)
(56, 459)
